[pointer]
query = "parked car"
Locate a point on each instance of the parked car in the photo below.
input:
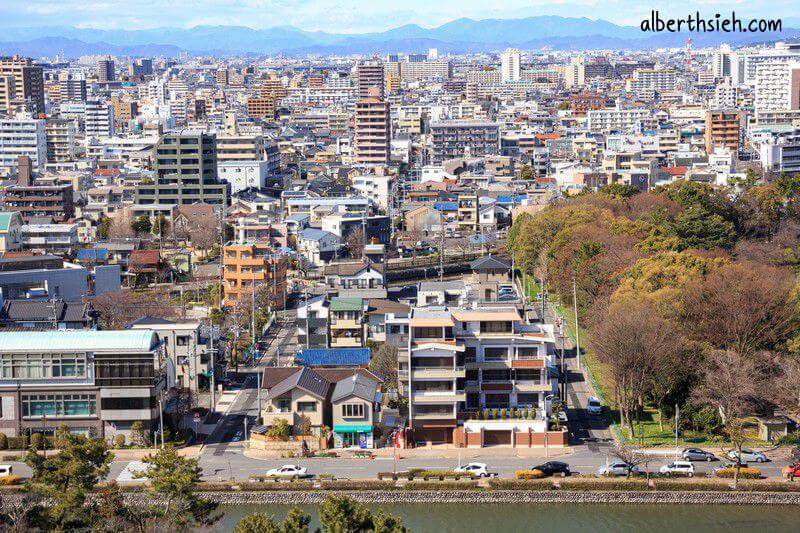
(696, 454)
(678, 468)
(551, 468)
(594, 407)
(748, 456)
(791, 471)
(618, 469)
(288, 471)
(476, 469)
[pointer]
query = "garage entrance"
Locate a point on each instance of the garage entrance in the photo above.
(497, 438)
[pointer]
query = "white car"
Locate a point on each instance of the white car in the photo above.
(476, 469)
(288, 471)
(594, 407)
(617, 469)
(678, 468)
(748, 456)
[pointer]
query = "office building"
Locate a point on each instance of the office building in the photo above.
(105, 70)
(97, 383)
(372, 129)
(185, 164)
(28, 91)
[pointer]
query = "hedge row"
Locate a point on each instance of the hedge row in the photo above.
(744, 473)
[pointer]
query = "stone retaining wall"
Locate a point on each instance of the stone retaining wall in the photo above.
(498, 496)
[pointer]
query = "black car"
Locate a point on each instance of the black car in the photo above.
(552, 468)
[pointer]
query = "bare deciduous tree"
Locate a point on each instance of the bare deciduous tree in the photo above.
(355, 243)
(121, 225)
(630, 456)
(117, 309)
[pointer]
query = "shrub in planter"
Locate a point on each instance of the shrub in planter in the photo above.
(603, 484)
(744, 473)
(214, 486)
(522, 484)
(441, 485)
(529, 474)
(272, 486)
(16, 443)
(691, 485)
(750, 485)
(441, 474)
(119, 441)
(37, 441)
(3, 441)
(367, 484)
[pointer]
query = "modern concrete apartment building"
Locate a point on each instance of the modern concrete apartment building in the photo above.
(60, 134)
(370, 75)
(22, 136)
(32, 200)
(372, 130)
(252, 264)
(28, 84)
(262, 107)
(723, 130)
(185, 164)
(464, 138)
(98, 383)
(105, 70)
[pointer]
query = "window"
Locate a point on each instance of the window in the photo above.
(495, 354)
(353, 410)
(128, 403)
(38, 366)
(182, 340)
(306, 407)
(39, 405)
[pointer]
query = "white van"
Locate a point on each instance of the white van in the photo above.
(5, 470)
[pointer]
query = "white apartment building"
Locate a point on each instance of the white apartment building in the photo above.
(782, 152)
(49, 238)
(509, 65)
(22, 135)
(617, 119)
(375, 187)
(61, 145)
(244, 174)
(99, 119)
(647, 81)
(778, 86)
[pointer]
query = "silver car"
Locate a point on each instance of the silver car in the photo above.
(696, 454)
(748, 456)
(617, 469)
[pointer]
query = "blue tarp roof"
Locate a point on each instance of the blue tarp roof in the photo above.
(92, 254)
(505, 199)
(333, 357)
(445, 206)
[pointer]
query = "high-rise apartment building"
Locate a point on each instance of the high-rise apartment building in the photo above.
(185, 164)
(721, 62)
(372, 129)
(73, 88)
(61, 145)
(141, 67)
(22, 136)
(28, 84)
(370, 75)
(723, 129)
(8, 87)
(509, 65)
(105, 70)
(99, 119)
(262, 107)
(778, 86)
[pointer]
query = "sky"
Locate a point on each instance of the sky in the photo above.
(353, 16)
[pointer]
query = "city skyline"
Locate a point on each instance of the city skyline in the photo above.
(347, 16)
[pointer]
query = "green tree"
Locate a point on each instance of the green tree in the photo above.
(296, 521)
(171, 479)
(619, 190)
(384, 363)
(526, 173)
(340, 514)
(142, 225)
(64, 479)
(137, 433)
(698, 228)
(103, 227)
(386, 523)
(257, 523)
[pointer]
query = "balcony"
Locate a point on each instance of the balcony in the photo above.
(346, 342)
(342, 323)
(438, 373)
(433, 398)
(271, 417)
(532, 386)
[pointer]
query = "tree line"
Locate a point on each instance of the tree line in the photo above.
(689, 294)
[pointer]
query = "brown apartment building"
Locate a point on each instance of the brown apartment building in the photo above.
(28, 85)
(372, 130)
(262, 107)
(723, 129)
(33, 200)
(249, 263)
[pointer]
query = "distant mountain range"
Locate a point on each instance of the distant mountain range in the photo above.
(462, 35)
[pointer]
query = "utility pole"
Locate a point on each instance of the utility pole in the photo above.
(161, 416)
(258, 415)
(441, 246)
(577, 333)
(308, 332)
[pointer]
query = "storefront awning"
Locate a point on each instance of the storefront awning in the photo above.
(352, 428)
